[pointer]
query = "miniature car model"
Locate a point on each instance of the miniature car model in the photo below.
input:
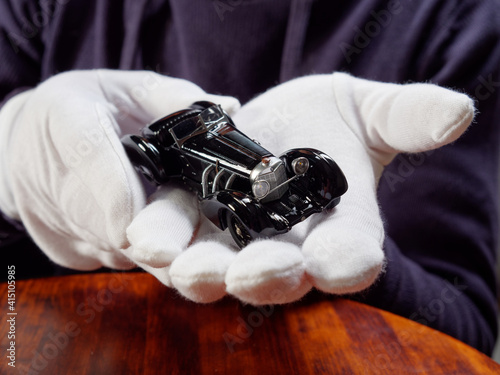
(240, 185)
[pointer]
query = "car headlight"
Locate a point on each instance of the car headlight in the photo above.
(300, 165)
(260, 189)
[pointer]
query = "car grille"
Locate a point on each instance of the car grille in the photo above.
(274, 179)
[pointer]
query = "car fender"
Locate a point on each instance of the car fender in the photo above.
(260, 221)
(324, 181)
(146, 158)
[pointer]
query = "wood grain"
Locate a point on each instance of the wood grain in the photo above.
(128, 323)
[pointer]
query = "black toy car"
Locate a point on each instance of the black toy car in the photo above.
(241, 185)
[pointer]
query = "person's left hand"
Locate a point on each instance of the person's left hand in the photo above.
(63, 170)
(362, 125)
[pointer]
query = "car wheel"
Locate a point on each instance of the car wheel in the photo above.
(146, 158)
(238, 230)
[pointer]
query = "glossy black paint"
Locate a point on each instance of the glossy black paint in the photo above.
(324, 179)
(261, 221)
(202, 147)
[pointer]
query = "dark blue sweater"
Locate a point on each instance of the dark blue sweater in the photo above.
(440, 208)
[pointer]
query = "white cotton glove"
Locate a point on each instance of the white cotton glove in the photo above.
(362, 125)
(63, 170)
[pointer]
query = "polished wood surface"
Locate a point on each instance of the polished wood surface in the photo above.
(128, 323)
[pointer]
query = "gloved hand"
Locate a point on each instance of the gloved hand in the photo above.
(63, 170)
(362, 125)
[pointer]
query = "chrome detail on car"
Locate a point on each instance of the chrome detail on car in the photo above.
(300, 165)
(213, 116)
(208, 119)
(230, 181)
(260, 188)
(217, 180)
(283, 184)
(204, 179)
(270, 171)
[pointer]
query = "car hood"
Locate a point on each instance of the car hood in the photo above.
(229, 147)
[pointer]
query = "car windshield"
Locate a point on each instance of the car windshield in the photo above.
(188, 128)
(210, 118)
(213, 115)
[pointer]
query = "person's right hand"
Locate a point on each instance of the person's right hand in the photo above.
(64, 172)
(362, 125)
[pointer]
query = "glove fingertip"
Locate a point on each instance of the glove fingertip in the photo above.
(198, 273)
(433, 117)
(268, 272)
(454, 126)
(153, 256)
(346, 261)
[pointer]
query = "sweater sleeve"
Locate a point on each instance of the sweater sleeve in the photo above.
(21, 27)
(441, 208)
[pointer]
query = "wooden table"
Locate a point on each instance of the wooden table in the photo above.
(128, 323)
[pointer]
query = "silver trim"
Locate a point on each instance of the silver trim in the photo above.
(298, 160)
(283, 184)
(272, 170)
(268, 188)
(217, 178)
(204, 179)
(261, 168)
(230, 181)
(205, 120)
